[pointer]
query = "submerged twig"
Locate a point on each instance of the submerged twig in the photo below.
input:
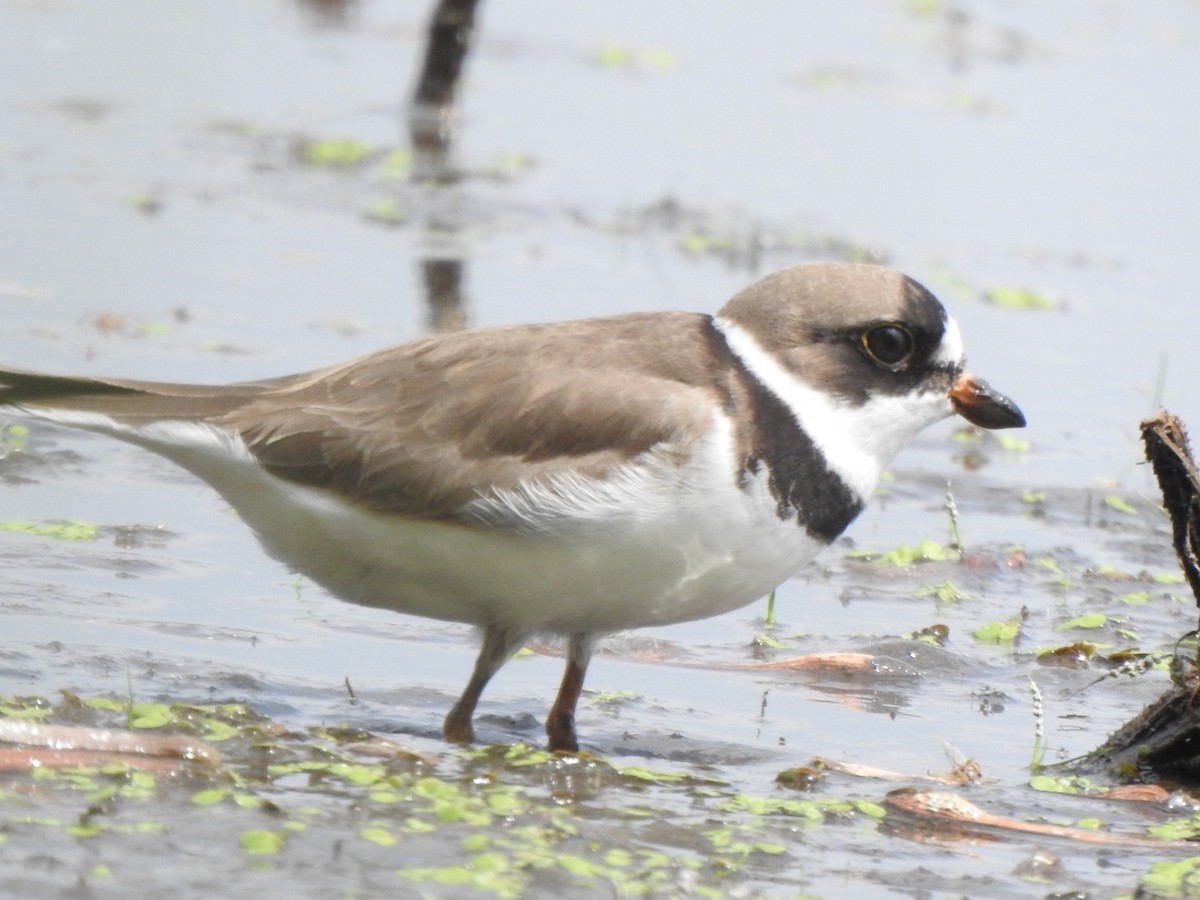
(947, 809)
(67, 746)
(822, 662)
(958, 776)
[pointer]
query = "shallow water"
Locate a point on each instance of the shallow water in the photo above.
(159, 224)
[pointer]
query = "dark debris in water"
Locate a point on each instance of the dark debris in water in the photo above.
(1162, 743)
(1170, 456)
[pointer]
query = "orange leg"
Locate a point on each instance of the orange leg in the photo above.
(498, 646)
(560, 724)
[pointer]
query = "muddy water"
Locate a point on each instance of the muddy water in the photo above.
(161, 221)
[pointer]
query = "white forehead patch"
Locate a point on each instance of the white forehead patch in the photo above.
(950, 350)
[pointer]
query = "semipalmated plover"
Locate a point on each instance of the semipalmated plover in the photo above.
(573, 478)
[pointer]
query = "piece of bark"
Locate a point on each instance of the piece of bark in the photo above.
(1162, 742)
(1168, 453)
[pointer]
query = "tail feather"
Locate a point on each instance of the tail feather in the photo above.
(122, 400)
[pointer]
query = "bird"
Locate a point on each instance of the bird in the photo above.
(567, 479)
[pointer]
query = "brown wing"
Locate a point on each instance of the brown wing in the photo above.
(425, 427)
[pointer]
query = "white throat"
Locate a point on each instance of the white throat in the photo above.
(857, 441)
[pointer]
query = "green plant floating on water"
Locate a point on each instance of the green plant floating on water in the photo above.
(379, 834)
(398, 163)
(262, 841)
(1013, 444)
(1087, 621)
(33, 708)
(60, 531)
(148, 203)
(1172, 878)
(1065, 784)
(968, 434)
(609, 698)
(656, 776)
(1183, 829)
(1136, 598)
(1120, 505)
(333, 153)
(999, 632)
(217, 722)
(944, 592)
(937, 635)
(387, 211)
(613, 56)
(508, 166)
(13, 437)
(767, 640)
(732, 849)
(908, 555)
(1020, 298)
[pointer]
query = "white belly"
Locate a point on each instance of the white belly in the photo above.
(662, 543)
(651, 563)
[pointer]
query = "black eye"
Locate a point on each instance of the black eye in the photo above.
(889, 345)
